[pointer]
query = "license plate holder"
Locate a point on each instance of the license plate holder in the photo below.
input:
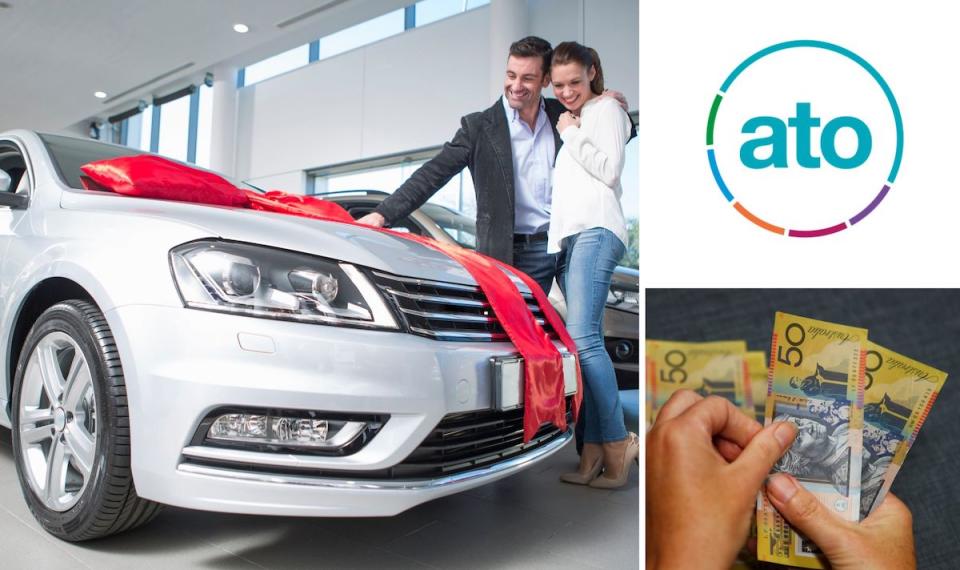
(508, 380)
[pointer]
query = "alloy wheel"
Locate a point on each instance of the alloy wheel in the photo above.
(58, 421)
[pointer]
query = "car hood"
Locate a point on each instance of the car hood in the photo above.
(353, 244)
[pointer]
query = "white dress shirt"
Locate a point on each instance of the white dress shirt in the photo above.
(586, 179)
(533, 156)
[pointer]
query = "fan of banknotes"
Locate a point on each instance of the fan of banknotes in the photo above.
(857, 406)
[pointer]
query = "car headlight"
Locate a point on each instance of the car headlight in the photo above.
(624, 299)
(265, 282)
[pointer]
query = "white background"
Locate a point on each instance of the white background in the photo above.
(691, 236)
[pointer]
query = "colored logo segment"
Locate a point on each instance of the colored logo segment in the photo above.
(803, 122)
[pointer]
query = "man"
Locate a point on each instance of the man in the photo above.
(510, 150)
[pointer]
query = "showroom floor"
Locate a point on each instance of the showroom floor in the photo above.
(530, 520)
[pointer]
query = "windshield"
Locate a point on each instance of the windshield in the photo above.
(461, 228)
(69, 154)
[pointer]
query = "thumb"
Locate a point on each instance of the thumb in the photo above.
(763, 451)
(806, 513)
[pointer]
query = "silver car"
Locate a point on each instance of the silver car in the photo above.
(156, 352)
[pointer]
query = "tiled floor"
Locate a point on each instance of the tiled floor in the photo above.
(530, 520)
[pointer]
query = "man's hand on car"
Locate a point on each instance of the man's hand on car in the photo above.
(373, 219)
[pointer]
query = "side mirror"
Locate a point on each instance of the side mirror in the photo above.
(14, 201)
(7, 198)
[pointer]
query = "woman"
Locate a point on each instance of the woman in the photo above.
(587, 228)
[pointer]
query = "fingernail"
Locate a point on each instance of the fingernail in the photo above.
(781, 487)
(785, 432)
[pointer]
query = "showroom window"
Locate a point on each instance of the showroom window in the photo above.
(174, 127)
(365, 33)
(276, 65)
(204, 126)
(389, 24)
(429, 11)
(133, 128)
(177, 125)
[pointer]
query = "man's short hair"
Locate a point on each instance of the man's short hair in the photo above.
(532, 46)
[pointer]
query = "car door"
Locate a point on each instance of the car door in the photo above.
(14, 163)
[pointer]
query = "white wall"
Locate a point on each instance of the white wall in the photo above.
(608, 26)
(611, 29)
(408, 91)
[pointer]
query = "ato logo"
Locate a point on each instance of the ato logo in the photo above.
(804, 138)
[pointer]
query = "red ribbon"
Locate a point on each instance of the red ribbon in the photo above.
(544, 395)
(544, 398)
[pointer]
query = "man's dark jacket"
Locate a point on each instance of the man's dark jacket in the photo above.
(483, 145)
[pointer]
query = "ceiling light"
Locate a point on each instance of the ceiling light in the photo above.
(241, 28)
(100, 95)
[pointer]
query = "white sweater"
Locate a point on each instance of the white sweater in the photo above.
(586, 178)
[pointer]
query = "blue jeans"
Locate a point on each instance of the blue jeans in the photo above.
(586, 265)
(532, 258)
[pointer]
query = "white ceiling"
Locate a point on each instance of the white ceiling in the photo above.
(54, 54)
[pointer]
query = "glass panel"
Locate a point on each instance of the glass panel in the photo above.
(280, 63)
(174, 124)
(69, 154)
(116, 131)
(429, 11)
(384, 179)
(139, 128)
(204, 126)
(361, 34)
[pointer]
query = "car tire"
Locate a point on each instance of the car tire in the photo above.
(72, 447)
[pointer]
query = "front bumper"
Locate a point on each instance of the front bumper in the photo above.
(181, 364)
(319, 496)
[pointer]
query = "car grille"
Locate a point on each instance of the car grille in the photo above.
(471, 440)
(449, 311)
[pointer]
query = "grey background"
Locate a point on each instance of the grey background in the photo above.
(923, 324)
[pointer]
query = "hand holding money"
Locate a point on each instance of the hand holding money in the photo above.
(697, 447)
(883, 540)
(857, 408)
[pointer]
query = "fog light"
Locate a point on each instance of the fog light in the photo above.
(285, 431)
(300, 430)
(230, 426)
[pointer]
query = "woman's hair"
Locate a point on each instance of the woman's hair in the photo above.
(567, 52)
